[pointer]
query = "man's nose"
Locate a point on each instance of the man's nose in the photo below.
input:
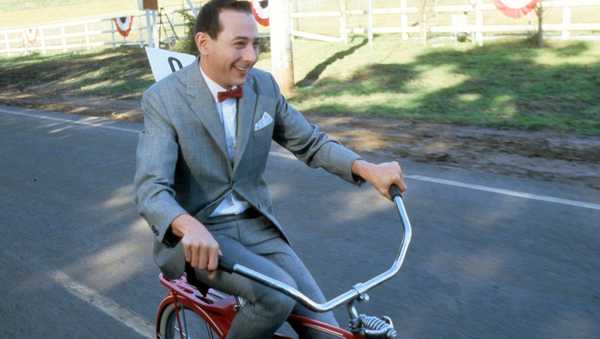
(250, 53)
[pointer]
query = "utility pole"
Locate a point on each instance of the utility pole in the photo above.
(281, 44)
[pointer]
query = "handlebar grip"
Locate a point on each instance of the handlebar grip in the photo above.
(395, 192)
(226, 264)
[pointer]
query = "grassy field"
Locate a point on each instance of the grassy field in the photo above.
(505, 84)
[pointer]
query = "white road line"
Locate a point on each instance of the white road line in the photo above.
(104, 304)
(88, 295)
(511, 193)
(85, 122)
(517, 194)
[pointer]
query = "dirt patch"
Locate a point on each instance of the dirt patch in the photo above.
(543, 155)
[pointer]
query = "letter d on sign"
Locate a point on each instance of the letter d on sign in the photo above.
(172, 62)
(163, 62)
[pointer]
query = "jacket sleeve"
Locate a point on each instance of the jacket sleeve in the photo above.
(305, 140)
(156, 159)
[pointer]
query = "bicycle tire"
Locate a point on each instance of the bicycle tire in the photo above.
(193, 324)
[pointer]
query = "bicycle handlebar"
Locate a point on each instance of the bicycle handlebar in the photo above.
(356, 290)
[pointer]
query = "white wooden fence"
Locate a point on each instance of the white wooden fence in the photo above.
(89, 33)
(467, 18)
(101, 31)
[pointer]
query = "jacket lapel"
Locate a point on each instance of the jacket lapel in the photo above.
(246, 112)
(204, 107)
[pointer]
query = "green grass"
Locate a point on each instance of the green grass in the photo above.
(503, 84)
(115, 73)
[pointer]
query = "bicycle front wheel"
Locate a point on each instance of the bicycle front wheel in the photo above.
(182, 322)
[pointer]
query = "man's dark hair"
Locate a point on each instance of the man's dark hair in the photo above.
(208, 18)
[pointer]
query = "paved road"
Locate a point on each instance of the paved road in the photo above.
(497, 258)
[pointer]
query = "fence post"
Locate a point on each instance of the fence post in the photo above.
(63, 38)
(343, 21)
(423, 23)
(281, 45)
(296, 23)
(6, 42)
(370, 22)
(87, 37)
(43, 42)
(113, 29)
(404, 19)
(142, 39)
(478, 23)
(565, 35)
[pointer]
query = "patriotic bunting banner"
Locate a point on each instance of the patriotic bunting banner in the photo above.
(30, 35)
(123, 25)
(516, 8)
(260, 9)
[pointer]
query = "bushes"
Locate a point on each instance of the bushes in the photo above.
(186, 44)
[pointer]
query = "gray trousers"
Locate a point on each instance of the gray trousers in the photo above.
(257, 244)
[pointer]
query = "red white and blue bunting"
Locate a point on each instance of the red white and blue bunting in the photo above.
(123, 25)
(516, 8)
(260, 9)
(30, 35)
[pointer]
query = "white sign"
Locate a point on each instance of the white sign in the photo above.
(163, 62)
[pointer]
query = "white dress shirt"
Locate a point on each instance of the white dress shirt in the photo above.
(232, 204)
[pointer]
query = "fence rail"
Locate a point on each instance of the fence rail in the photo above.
(88, 33)
(465, 18)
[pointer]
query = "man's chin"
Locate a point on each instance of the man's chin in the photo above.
(239, 81)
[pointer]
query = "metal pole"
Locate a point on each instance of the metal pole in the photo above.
(149, 28)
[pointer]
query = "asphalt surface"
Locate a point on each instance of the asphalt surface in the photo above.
(75, 259)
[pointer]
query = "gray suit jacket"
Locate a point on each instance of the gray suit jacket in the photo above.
(182, 163)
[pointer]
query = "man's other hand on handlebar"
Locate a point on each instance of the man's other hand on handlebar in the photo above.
(382, 176)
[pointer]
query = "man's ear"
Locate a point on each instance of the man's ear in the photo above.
(202, 41)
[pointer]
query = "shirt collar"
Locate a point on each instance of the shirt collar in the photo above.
(213, 87)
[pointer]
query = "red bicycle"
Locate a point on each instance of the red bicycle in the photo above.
(187, 313)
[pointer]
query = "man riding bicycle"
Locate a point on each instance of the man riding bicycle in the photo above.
(200, 163)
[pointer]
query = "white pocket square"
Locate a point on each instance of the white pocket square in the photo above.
(264, 121)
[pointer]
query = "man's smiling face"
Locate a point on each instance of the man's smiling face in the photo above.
(228, 58)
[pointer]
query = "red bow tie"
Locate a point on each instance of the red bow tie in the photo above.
(235, 93)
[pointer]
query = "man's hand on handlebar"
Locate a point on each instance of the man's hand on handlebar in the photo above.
(201, 249)
(381, 176)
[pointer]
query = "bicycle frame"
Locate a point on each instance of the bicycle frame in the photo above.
(219, 309)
